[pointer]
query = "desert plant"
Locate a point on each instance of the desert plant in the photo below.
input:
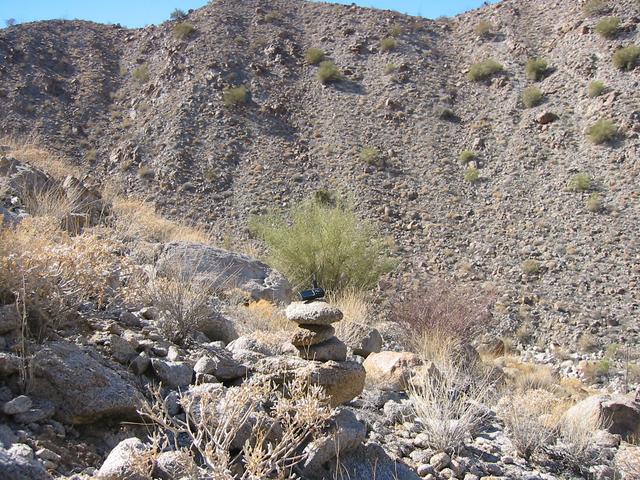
(575, 446)
(236, 96)
(178, 14)
(145, 172)
(580, 182)
(532, 97)
(388, 43)
(627, 58)
(389, 68)
(396, 30)
(272, 17)
(588, 343)
(328, 72)
(183, 30)
(314, 56)
(213, 420)
(484, 29)
(596, 88)
(141, 73)
(353, 304)
(608, 27)
(531, 267)
(536, 69)
(371, 156)
(10, 22)
(466, 156)
(327, 242)
(602, 131)
(471, 175)
(484, 70)
(594, 204)
(596, 7)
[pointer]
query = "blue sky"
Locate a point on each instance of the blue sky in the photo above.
(137, 13)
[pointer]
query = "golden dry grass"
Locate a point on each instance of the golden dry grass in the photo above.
(262, 316)
(28, 151)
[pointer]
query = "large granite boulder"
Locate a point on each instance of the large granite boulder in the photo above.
(119, 464)
(619, 414)
(83, 385)
(227, 270)
(391, 370)
(369, 462)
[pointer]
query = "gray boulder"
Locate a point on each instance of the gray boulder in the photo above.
(220, 363)
(172, 374)
(83, 385)
(118, 465)
(18, 467)
(226, 270)
(318, 312)
(360, 338)
(333, 349)
(368, 462)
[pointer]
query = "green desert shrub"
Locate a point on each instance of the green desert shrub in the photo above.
(272, 17)
(484, 70)
(389, 68)
(396, 30)
(484, 29)
(580, 182)
(596, 88)
(532, 97)
(371, 156)
(314, 56)
(536, 69)
(627, 58)
(178, 14)
(471, 175)
(531, 267)
(388, 43)
(466, 156)
(183, 30)
(596, 7)
(233, 97)
(594, 204)
(327, 242)
(141, 73)
(328, 72)
(602, 131)
(608, 27)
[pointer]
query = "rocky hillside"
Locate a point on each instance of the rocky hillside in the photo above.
(144, 110)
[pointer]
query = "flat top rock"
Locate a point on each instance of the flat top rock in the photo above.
(313, 313)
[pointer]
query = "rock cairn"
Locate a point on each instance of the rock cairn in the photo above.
(315, 336)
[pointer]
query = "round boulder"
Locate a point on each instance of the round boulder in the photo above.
(312, 335)
(313, 313)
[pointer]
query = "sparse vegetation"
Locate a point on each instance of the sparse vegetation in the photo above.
(596, 7)
(236, 96)
(272, 17)
(536, 69)
(328, 242)
(580, 182)
(178, 14)
(532, 97)
(596, 88)
(313, 56)
(141, 73)
(396, 30)
(371, 156)
(388, 43)
(627, 58)
(594, 204)
(328, 72)
(484, 29)
(608, 27)
(389, 68)
(183, 30)
(484, 70)
(531, 267)
(145, 172)
(466, 156)
(602, 131)
(471, 175)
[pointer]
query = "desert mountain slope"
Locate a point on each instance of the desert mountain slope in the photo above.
(144, 110)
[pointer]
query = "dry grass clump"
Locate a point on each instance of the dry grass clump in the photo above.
(314, 56)
(532, 97)
(627, 58)
(371, 156)
(575, 446)
(594, 203)
(28, 152)
(52, 273)
(472, 175)
(602, 131)
(328, 72)
(596, 88)
(596, 7)
(580, 182)
(234, 97)
(536, 69)
(183, 30)
(466, 156)
(608, 27)
(484, 70)
(279, 423)
(260, 316)
(388, 43)
(353, 304)
(141, 73)
(484, 29)
(134, 220)
(535, 377)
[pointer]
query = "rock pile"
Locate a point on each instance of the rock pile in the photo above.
(315, 336)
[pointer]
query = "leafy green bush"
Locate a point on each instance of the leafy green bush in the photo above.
(602, 131)
(594, 204)
(178, 14)
(328, 242)
(536, 69)
(484, 70)
(531, 267)
(388, 43)
(371, 156)
(608, 27)
(596, 88)
(141, 74)
(627, 58)
(466, 156)
(233, 97)
(532, 97)
(580, 182)
(596, 7)
(314, 56)
(471, 175)
(328, 72)
(484, 29)
(183, 30)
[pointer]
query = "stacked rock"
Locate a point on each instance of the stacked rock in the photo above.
(315, 336)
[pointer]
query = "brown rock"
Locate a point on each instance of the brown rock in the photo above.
(312, 334)
(390, 370)
(619, 414)
(547, 117)
(313, 313)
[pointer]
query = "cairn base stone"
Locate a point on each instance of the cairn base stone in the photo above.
(333, 349)
(313, 313)
(308, 335)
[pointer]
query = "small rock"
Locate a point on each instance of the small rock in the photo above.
(311, 335)
(425, 469)
(172, 374)
(440, 461)
(333, 349)
(546, 118)
(19, 404)
(119, 462)
(46, 454)
(140, 363)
